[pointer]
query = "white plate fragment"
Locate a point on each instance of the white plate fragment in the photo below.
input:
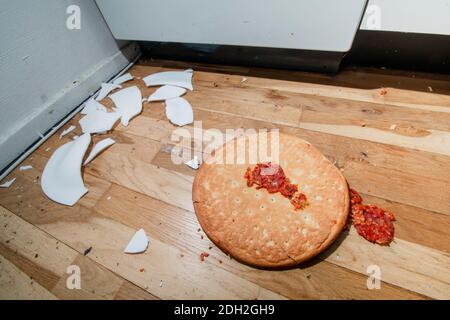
(138, 243)
(98, 121)
(67, 131)
(166, 92)
(8, 184)
(128, 102)
(61, 180)
(194, 164)
(99, 147)
(93, 105)
(123, 78)
(25, 168)
(106, 89)
(179, 111)
(174, 78)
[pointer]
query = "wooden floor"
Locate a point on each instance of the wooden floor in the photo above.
(389, 132)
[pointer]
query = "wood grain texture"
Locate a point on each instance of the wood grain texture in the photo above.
(392, 147)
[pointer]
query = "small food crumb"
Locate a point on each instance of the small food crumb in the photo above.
(430, 89)
(393, 127)
(203, 255)
(86, 252)
(201, 237)
(141, 270)
(383, 92)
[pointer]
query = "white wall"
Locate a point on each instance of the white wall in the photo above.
(46, 70)
(327, 25)
(419, 16)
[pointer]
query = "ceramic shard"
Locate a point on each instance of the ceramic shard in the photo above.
(128, 102)
(174, 78)
(67, 131)
(93, 105)
(99, 147)
(123, 78)
(8, 183)
(98, 121)
(179, 111)
(106, 89)
(166, 92)
(61, 180)
(138, 243)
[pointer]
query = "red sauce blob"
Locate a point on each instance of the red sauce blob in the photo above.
(299, 201)
(371, 222)
(271, 177)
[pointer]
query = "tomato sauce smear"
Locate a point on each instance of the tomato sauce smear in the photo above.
(272, 177)
(371, 222)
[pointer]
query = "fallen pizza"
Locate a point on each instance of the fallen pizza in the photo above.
(271, 214)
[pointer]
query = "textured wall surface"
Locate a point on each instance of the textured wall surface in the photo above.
(46, 69)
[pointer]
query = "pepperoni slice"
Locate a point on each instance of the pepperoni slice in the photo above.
(271, 177)
(370, 221)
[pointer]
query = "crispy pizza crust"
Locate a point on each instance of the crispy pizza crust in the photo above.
(263, 229)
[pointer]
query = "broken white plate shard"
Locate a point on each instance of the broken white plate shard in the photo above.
(67, 131)
(166, 92)
(138, 243)
(123, 78)
(93, 105)
(98, 121)
(106, 89)
(8, 184)
(61, 180)
(194, 164)
(25, 168)
(99, 147)
(128, 102)
(179, 111)
(174, 78)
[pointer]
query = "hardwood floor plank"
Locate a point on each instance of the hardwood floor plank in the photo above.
(81, 228)
(352, 77)
(136, 184)
(405, 264)
(45, 260)
(16, 285)
(129, 291)
(181, 201)
(29, 248)
(96, 282)
(179, 228)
